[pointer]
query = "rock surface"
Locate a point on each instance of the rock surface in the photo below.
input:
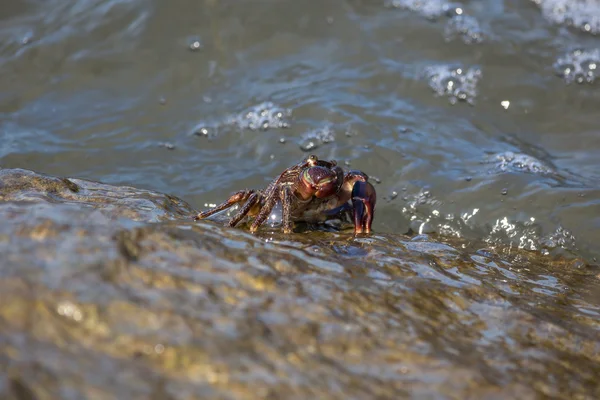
(113, 292)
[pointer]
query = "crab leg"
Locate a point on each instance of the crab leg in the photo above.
(363, 202)
(264, 213)
(286, 209)
(251, 202)
(235, 198)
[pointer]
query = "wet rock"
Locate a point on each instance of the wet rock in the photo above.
(196, 310)
(135, 204)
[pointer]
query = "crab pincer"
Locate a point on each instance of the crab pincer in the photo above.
(363, 204)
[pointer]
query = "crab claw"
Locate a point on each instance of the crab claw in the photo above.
(363, 203)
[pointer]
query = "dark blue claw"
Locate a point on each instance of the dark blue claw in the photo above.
(363, 202)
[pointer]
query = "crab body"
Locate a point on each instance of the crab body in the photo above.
(311, 191)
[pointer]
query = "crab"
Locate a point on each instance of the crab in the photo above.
(311, 191)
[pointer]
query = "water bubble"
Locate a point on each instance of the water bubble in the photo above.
(308, 145)
(427, 227)
(263, 116)
(167, 145)
(203, 131)
(523, 235)
(415, 225)
(274, 219)
(317, 137)
(561, 237)
(428, 8)
(519, 162)
(454, 83)
(26, 39)
(393, 195)
(464, 27)
(504, 192)
(581, 14)
(194, 44)
(282, 140)
(70, 310)
(579, 66)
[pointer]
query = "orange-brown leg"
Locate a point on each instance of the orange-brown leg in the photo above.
(264, 213)
(251, 202)
(286, 209)
(234, 199)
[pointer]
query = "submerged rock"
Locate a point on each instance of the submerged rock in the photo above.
(114, 292)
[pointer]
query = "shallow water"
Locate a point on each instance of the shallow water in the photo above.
(195, 99)
(479, 119)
